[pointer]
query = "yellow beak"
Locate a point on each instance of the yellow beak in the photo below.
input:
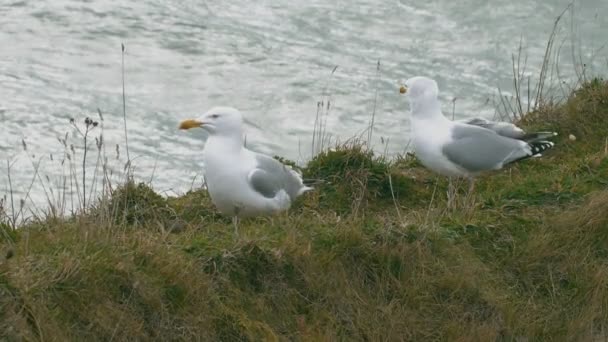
(187, 124)
(403, 89)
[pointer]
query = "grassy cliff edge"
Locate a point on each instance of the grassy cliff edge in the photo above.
(372, 254)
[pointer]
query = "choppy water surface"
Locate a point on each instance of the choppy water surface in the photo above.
(271, 59)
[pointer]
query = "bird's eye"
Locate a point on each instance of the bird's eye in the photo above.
(215, 116)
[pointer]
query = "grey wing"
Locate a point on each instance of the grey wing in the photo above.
(477, 149)
(506, 129)
(263, 183)
(509, 130)
(272, 176)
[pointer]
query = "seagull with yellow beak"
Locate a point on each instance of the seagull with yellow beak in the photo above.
(241, 182)
(467, 147)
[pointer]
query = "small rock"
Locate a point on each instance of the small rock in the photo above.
(10, 253)
(177, 226)
(572, 137)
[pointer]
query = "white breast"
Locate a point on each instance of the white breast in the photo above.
(428, 138)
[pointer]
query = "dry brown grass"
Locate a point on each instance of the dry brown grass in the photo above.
(528, 263)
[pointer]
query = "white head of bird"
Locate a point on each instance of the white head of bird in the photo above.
(218, 121)
(422, 93)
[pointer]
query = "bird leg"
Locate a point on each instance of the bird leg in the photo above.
(235, 222)
(451, 193)
(470, 192)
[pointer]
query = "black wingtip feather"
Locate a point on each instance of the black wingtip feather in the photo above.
(536, 149)
(539, 147)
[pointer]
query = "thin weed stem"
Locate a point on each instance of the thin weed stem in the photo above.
(13, 220)
(390, 182)
(320, 125)
(373, 118)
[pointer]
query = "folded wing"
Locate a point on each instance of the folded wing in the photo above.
(271, 176)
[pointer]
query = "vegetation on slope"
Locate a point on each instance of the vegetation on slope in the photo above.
(372, 254)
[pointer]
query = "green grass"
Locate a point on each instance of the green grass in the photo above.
(372, 254)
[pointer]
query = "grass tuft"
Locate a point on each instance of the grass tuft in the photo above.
(582, 122)
(137, 205)
(353, 179)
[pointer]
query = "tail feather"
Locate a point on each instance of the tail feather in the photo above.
(304, 189)
(312, 182)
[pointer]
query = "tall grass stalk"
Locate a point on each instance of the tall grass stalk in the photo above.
(527, 97)
(73, 191)
(13, 220)
(124, 102)
(319, 132)
(375, 103)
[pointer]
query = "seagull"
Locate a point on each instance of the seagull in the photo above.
(242, 183)
(467, 147)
